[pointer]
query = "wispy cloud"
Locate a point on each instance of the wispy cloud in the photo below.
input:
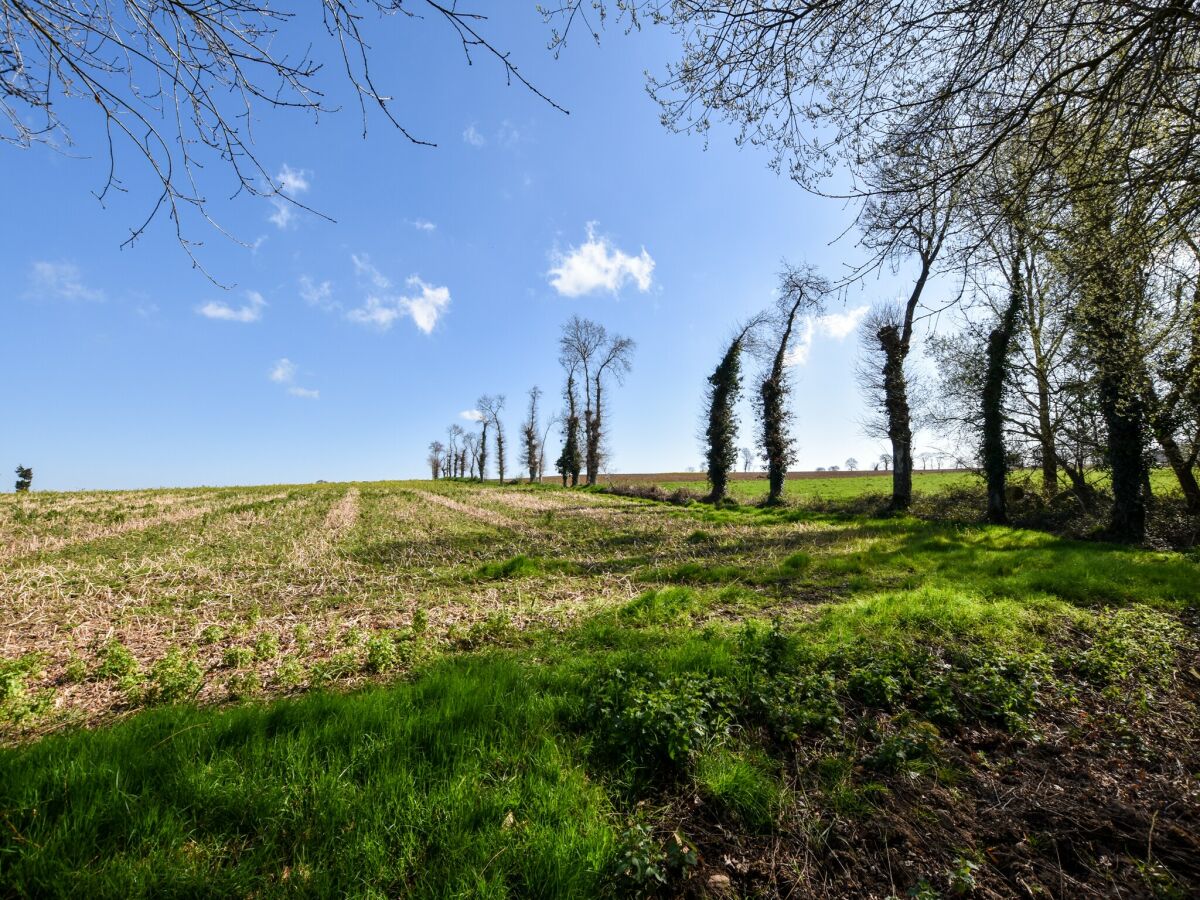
(423, 225)
(833, 325)
(471, 415)
(61, 281)
(424, 303)
(318, 295)
(472, 136)
(596, 265)
(291, 183)
(509, 135)
(284, 372)
(364, 269)
(251, 311)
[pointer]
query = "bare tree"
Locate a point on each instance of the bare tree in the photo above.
(436, 459)
(490, 407)
(587, 347)
(177, 85)
(747, 459)
(453, 435)
(851, 464)
(471, 448)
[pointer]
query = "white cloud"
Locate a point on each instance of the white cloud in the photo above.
(423, 225)
(597, 265)
(834, 325)
(509, 135)
(62, 281)
(364, 269)
(292, 183)
(472, 136)
(319, 295)
(839, 325)
(283, 371)
(428, 307)
(424, 303)
(251, 311)
(471, 415)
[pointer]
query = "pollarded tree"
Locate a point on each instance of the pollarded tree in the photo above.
(530, 446)
(24, 479)
(720, 433)
(585, 346)
(802, 290)
(490, 407)
(470, 454)
(453, 435)
(436, 459)
(571, 459)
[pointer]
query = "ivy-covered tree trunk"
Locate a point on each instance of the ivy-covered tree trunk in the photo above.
(721, 434)
(899, 416)
(995, 458)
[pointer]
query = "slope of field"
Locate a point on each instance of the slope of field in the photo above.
(445, 689)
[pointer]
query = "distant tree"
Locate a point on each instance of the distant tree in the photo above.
(886, 460)
(747, 459)
(720, 433)
(436, 459)
(820, 468)
(852, 465)
(802, 289)
(586, 347)
(570, 461)
(835, 468)
(471, 453)
(550, 423)
(490, 407)
(530, 447)
(453, 436)
(24, 479)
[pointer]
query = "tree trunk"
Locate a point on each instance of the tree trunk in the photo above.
(1123, 414)
(995, 462)
(1182, 469)
(899, 417)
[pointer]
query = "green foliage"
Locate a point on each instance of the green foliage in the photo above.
(266, 646)
(654, 725)
(647, 866)
(174, 678)
(237, 657)
(520, 566)
(212, 634)
(17, 702)
(116, 661)
(242, 686)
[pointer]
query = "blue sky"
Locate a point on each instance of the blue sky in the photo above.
(342, 348)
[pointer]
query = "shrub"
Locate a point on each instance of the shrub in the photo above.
(17, 702)
(648, 867)
(237, 657)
